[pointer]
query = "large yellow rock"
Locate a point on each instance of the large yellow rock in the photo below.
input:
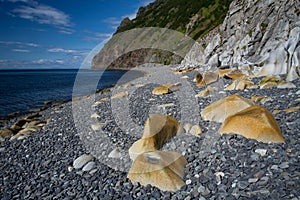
(225, 107)
(206, 79)
(164, 170)
(157, 131)
(254, 122)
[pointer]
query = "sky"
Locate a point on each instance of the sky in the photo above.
(60, 34)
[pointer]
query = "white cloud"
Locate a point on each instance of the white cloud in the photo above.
(61, 50)
(43, 14)
(21, 50)
(47, 62)
(19, 43)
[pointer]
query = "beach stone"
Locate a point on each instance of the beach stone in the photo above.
(206, 78)
(196, 130)
(58, 103)
(206, 92)
(174, 87)
(160, 90)
(263, 181)
(185, 77)
(219, 110)
(97, 127)
(266, 99)
(158, 130)
(81, 161)
(231, 86)
(166, 105)
(261, 152)
(115, 153)
(4, 133)
(292, 109)
(255, 122)
(274, 167)
(95, 115)
(32, 116)
(187, 126)
(284, 165)
(252, 180)
(242, 184)
(89, 166)
(164, 170)
(120, 95)
(257, 98)
(101, 101)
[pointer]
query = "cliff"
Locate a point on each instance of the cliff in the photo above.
(192, 18)
(252, 33)
(255, 33)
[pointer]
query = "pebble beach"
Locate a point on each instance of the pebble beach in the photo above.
(82, 152)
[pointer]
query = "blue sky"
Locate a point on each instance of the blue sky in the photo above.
(57, 34)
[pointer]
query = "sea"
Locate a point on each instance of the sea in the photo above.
(24, 90)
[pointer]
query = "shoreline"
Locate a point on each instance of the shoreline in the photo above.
(48, 170)
(48, 104)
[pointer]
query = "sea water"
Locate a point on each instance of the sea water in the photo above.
(22, 90)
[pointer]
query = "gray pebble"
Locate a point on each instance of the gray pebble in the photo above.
(242, 184)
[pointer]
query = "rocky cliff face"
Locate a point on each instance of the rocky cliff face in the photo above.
(192, 18)
(263, 34)
(255, 33)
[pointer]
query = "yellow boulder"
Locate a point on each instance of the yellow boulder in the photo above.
(225, 107)
(254, 122)
(158, 130)
(164, 170)
(206, 79)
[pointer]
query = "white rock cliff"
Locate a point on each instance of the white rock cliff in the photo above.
(261, 33)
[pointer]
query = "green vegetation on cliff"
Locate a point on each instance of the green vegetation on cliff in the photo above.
(193, 17)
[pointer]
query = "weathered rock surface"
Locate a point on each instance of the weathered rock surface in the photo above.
(219, 110)
(164, 170)
(255, 33)
(157, 131)
(206, 78)
(254, 122)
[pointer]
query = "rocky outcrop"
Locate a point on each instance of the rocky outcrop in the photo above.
(258, 34)
(219, 110)
(254, 122)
